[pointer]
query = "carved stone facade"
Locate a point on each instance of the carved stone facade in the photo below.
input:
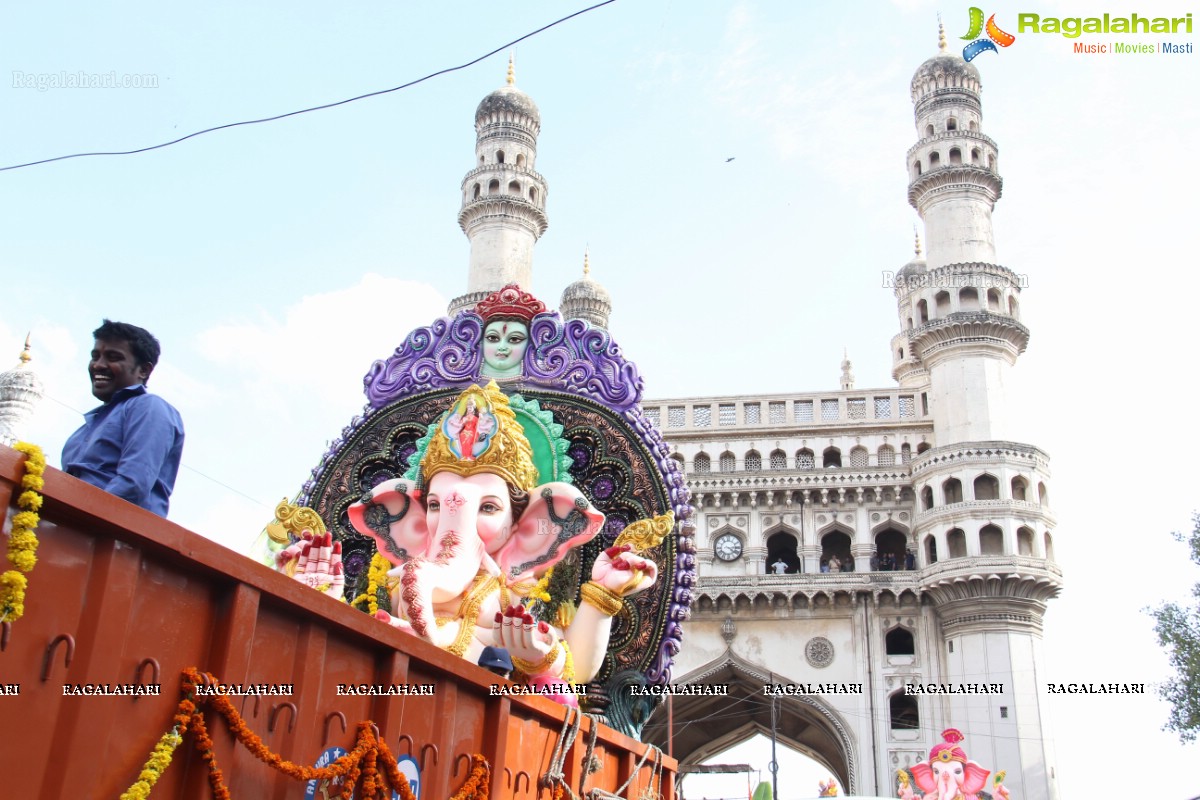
(885, 537)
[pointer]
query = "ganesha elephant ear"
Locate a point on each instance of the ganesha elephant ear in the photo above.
(392, 516)
(923, 776)
(558, 518)
(975, 778)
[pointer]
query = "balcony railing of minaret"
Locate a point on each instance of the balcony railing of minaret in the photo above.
(513, 168)
(992, 507)
(1002, 322)
(991, 453)
(952, 94)
(955, 134)
(956, 174)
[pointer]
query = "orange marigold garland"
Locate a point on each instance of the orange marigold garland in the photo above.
(22, 542)
(360, 767)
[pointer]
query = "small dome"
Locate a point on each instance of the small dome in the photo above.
(508, 99)
(914, 267)
(21, 377)
(20, 391)
(945, 64)
(917, 265)
(586, 299)
(586, 289)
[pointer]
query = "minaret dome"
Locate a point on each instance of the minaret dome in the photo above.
(20, 391)
(586, 299)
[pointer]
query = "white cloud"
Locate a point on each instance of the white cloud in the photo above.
(323, 345)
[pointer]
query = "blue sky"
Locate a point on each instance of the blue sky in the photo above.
(276, 262)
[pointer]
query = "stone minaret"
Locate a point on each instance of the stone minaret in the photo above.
(847, 382)
(983, 523)
(503, 197)
(20, 391)
(961, 311)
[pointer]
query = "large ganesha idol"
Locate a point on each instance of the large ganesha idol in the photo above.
(504, 489)
(949, 775)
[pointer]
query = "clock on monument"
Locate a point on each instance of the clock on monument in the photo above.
(728, 547)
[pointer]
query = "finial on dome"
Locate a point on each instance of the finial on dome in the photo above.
(586, 266)
(26, 356)
(512, 73)
(916, 241)
(941, 34)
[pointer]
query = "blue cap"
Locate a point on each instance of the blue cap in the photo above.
(495, 657)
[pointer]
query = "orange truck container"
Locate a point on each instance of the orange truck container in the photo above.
(121, 596)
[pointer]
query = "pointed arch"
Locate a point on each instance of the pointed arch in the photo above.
(891, 546)
(1020, 488)
(783, 544)
(886, 456)
(991, 541)
(956, 543)
(831, 458)
(807, 724)
(1024, 541)
(899, 641)
(986, 487)
(859, 458)
(835, 543)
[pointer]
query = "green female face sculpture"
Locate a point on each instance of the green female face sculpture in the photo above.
(504, 343)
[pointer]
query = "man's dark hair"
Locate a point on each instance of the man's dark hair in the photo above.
(142, 344)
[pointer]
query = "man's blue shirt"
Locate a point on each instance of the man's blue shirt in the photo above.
(130, 447)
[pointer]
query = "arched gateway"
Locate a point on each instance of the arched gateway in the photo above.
(806, 724)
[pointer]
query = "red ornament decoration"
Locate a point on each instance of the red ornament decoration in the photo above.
(510, 303)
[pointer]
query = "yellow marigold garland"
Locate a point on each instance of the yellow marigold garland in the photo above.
(376, 577)
(160, 759)
(541, 590)
(22, 542)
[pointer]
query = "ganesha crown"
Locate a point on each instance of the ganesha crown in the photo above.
(480, 434)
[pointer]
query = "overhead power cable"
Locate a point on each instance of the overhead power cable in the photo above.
(335, 104)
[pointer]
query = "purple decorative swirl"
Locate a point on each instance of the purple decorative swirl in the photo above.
(575, 357)
(659, 671)
(443, 354)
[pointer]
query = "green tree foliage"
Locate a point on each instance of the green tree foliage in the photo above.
(1178, 629)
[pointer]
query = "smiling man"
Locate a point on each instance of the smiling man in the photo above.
(131, 445)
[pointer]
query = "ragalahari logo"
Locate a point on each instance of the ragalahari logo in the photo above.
(995, 36)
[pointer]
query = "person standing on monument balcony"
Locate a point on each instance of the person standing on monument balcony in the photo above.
(131, 445)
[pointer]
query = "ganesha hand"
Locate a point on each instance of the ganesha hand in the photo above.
(532, 645)
(285, 559)
(395, 622)
(622, 572)
(319, 564)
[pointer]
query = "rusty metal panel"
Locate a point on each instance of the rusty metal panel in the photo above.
(122, 596)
